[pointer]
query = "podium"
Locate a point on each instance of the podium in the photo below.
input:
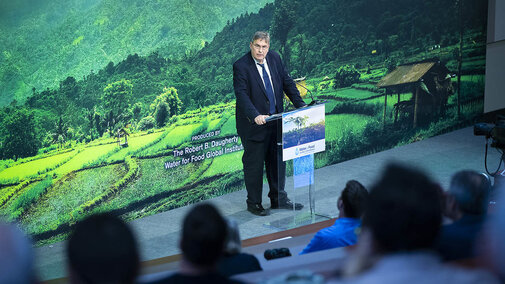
(301, 134)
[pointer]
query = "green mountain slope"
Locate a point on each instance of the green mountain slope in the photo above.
(323, 37)
(42, 44)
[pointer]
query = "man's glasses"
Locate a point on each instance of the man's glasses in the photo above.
(260, 47)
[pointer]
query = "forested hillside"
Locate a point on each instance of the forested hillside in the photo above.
(43, 42)
(316, 40)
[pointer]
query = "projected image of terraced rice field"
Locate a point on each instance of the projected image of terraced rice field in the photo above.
(50, 193)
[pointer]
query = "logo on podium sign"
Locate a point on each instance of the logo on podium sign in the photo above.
(303, 132)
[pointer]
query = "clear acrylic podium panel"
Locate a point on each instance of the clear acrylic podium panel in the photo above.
(315, 189)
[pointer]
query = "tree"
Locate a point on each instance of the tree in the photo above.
(390, 64)
(283, 20)
(174, 103)
(171, 98)
(19, 137)
(298, 121)
(302, 47)
(60, 133)
(110, 68)
(115, 101)
(69, 88)
(155, 62)
(161, 113)
(146, 123)
(460, 54)
(301, 121)
(346, 76)
(98, 124)
(137, 111)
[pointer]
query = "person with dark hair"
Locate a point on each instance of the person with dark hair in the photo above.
(102, 249)
(234, 261)
(202, 242)
(343, 233)
(401, 223)
(466, 205)
(260, 81)
(16, 256)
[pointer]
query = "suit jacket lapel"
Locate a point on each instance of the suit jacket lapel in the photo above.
(256, 75)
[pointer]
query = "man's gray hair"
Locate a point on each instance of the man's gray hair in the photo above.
(494, 232)
(470, 189)
(261, 35)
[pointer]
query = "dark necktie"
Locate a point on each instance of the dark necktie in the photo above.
(268, 88)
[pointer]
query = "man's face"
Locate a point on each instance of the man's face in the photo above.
(259, 49)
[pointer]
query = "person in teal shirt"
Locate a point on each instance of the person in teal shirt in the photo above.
(343, 233)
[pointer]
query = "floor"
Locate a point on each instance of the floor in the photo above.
(439, 156)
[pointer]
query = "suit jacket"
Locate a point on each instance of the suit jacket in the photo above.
(251, 94)
(239, 263)
(457, 240)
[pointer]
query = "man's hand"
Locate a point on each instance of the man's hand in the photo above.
(260, 119)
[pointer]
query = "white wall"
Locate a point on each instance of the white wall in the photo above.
(494, 94)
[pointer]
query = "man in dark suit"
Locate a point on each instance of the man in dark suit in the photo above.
(260, 81)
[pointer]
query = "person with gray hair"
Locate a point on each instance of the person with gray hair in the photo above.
(466, 205)
(492, 248)
(234, 261)
(260, 81)
(16, 256)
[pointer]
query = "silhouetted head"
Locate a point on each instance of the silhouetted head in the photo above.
(203, 235)
(102, 249)
(470, 190)
(352, 199)
(403, 210)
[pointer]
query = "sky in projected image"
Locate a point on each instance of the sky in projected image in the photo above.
(309, 117)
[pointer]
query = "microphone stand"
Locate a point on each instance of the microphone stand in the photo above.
(314, 101)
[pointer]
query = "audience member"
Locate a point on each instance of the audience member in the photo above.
(492, 244)
(234, 261)
(401, 223)
(499, 184)
(16, 256)
(202, 245)
(343, 233)
(102, 249)
(466, 205)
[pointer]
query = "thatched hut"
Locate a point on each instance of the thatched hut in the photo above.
(122, 137)
(430, 84)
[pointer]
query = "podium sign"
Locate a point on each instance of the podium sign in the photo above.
(302, 136)
(303, 132)
(303, 171)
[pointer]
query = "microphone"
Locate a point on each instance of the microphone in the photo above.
(314, 101)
